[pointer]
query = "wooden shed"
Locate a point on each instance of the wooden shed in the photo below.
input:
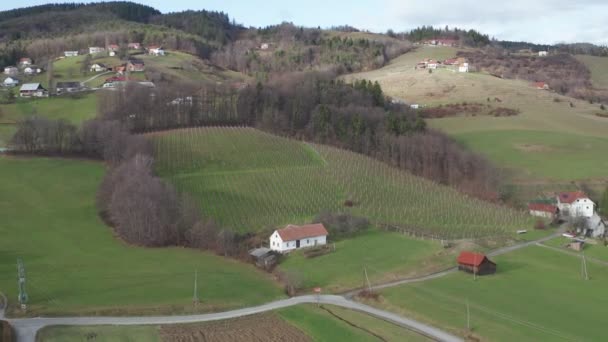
(475, 263)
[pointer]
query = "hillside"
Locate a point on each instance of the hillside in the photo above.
(249, 180)
(598, 67)
(520, 148)
(76, 265)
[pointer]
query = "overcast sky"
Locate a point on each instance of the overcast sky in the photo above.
(539, 21)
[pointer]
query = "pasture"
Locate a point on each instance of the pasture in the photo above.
(75, 110)
(250, 180)
(534, 296)
(75, 265)
(541, 111)
(385, 256)
(598, 67)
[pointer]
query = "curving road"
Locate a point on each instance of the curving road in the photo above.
(27, 328)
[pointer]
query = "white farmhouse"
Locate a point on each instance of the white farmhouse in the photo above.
(155, 50)
(70, 53)
(575, 204)
(11, 70)
(96, 49)
(542, 53)
(294, 237)
(464, 67)
(10, 82)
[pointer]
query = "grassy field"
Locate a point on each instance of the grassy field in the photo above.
(75, 110)
(536, 295)
(321, 325)
(598, 67)
(538, 154)
(387, 256)
(541, 111)
(298, 323)
(250, 180)
(597, 251)
(75, 265)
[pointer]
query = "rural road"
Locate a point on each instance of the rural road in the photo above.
(27, 328)
(94, 77)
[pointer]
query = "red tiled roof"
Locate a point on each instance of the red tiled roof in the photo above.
(569, 197)
(471, 258)
(540, 84)
(292, 232)
(542, 207)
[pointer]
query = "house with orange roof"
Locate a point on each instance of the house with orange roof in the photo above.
(294, 237)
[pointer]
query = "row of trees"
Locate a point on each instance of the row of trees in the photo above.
(315, 107)
(465, 37)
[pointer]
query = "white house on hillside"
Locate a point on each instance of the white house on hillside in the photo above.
(575, 204)
(464, 67)
(542, 53)
(11, 70)
(294, 237)
(96, 49)
(156, 50)
(70, 53)
(10, 82)
(543, 210)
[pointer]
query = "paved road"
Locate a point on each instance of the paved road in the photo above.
(26, 328)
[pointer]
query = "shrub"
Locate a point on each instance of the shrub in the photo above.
(540, 224)
(602, 107)
(340, 225)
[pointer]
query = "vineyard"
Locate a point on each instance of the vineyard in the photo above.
(250, 180)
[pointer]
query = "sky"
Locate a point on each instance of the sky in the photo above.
(537, 21)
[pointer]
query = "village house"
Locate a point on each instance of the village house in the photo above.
(541, 85)
(545, 210)
(294, 237)
(451, 61)
(463, 67)
(136, 65)
(95, 49)
(32, 70)
(263, 257)
(10, 82)
(542, 53)
(98, 67)
(134, 46)
(432, 64)
(11, 70)
(113, 49)
(120, 69)
(33, 90)
(155, 50)
(70, 53)
(575, 204)
(264, 46)
(68, 87)
(25, 61)
(475, 263)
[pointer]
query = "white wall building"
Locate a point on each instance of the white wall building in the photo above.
(10, 82)
(542, 53)
(294, 237)
(96, 49)
(11, 70)
(70, 53)
(575, 204)
(464, 67)
(542, 210)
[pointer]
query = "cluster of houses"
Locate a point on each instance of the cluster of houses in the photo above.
(440, 42)
(460, 64)
(25, 67)
(112, 50)
(573, 205)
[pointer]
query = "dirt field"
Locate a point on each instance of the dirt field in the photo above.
(258, 328)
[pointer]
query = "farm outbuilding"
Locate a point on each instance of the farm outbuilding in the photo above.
(543, 210)
(475, 263)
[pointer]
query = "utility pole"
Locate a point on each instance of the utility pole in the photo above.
(195, 295)
(468, 317)
(369, 286)
(22, 293)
